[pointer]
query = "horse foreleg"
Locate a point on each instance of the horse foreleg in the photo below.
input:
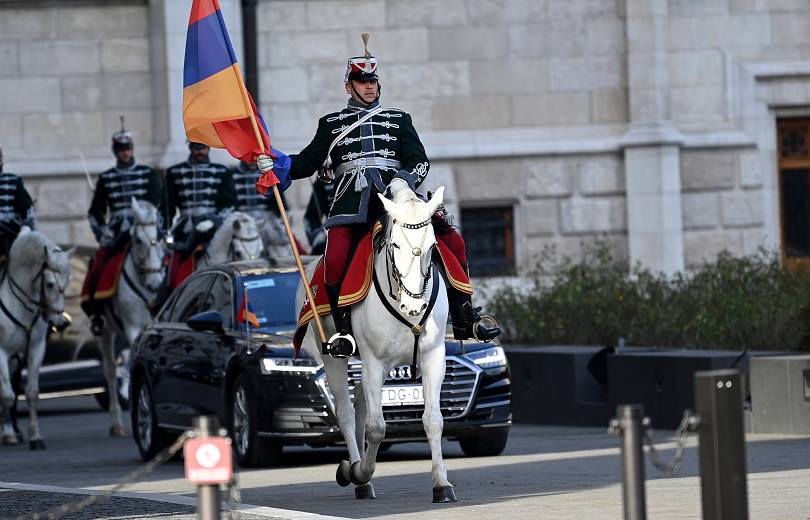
(107, 347)
(433, 367)
(36, 352)
(9, 437)
(373, 379)
(337, 373)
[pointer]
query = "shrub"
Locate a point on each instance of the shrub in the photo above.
(732, 303)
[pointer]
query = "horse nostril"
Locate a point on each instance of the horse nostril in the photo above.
(402, 307)
(424, 306)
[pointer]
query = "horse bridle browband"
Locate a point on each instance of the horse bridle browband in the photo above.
(391, 268)
(242, 241)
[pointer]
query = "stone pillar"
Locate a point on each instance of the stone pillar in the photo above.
(651, 144)
(168, 23)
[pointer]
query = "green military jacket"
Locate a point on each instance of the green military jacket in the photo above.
(382, 148)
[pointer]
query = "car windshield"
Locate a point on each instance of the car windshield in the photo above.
(271, 297)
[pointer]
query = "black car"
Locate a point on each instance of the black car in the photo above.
(196, 359)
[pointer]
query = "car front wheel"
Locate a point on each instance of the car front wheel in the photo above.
(251, 450)
(148, 436)
(485, 444)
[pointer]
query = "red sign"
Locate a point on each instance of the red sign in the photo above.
(208, 460)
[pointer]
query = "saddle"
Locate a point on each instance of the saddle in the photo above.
(102, 278)
(181, 265)
(358, 280)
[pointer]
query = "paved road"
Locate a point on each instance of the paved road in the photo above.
(558, 473)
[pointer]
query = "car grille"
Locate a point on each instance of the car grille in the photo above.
(458, 390)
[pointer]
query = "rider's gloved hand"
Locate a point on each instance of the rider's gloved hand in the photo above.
(106, 234)
(205, 225)
(265, 163)
(395, 186)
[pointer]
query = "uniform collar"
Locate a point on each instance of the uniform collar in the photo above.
(119, 166)
(356, 105)
(192, 163)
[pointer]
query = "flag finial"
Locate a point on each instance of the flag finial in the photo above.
(365, 37)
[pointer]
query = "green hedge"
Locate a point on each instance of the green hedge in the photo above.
(733, 303)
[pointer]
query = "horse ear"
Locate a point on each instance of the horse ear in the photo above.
(236, 224)
(389, 205)
(436, 200)
(70, 252)
(136, 207)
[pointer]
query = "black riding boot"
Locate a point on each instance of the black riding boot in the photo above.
(342, 344)
(466, 319)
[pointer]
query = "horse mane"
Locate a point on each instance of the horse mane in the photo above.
(407, 198)
(29, 249)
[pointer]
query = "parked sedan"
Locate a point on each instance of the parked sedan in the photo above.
(195, 359)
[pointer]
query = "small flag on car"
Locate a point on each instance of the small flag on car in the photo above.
(246, 314)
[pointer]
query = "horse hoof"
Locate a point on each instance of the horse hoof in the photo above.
(36, 444)
(117, 431)
(444, 495)
(10, 440)
(355, 477)
(364, 492)
(342, 473)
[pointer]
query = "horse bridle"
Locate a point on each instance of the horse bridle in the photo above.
(151, 243)
(39, 307)
(394, 274)
(242, 241)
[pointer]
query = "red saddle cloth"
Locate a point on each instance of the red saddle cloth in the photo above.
(181, 265)
(358, 280)
(101, 281)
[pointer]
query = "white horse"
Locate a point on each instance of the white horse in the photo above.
(274, 237)
(127, 313)
(409, 290)
(32, 298)
(236, 239)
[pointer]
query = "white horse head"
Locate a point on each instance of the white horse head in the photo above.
(236, 239)
(274, 237)
(42, 270)
(146, 248)
(409, 243)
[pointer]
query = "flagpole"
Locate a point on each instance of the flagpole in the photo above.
(247, 321)
(283, 212)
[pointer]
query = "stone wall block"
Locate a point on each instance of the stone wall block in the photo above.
(81, 92)
(297, 49)
(728, 31)
(395, 45)
(288, 85)
(82, 234)
(474, 180)
(767, 5)
(325, 82)
(541, 217)
(27, 24)
(609, 106)
(416, 13)
(468, 43)
(588, 73)
(125, 55)
(742, 208)
(605, 36)
(521, 76)
(791, 28)
(573, 248)
(700, 210)
(703, 170)
(54, 57)
(138, 121)
(127, 90)
(10, 134)
(506, 11)
(705, 246)
(751, 169)
(562, 38)
(63, 199)
(580, 9)
(562, 109)
(600, 176)
(65, 128)
(692, 68)
(108, 21)
(471, 113)
(597, 215)
(697, 7)
(698, 103)
(57, 230)
(22, 95)
(9, 59)
(549, 177)
(280, 16)
(437, 79)
(361, 14)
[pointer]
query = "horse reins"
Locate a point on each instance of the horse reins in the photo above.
(242, 241)
(391, 268)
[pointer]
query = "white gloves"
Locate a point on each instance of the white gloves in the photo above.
(203, 226)
(265, 163)
(395, 186)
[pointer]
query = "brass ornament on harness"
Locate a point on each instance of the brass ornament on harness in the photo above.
(417, 329)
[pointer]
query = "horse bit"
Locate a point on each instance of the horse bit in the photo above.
(242, 241)
(391, 267)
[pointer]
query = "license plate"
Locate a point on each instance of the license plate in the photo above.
(402, 395)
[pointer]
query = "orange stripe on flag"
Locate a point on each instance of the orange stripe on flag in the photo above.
(216, 98)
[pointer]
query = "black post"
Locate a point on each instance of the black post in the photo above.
(723, 479)
(207, 494)
(249, 39)
(630, 425)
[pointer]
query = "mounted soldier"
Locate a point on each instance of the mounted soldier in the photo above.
(315, 214)
(16, 208)
(370, 149)
(263, 209)
(111, 217)
(202, 194)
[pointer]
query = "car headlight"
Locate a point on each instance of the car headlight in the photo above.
(286, 365)
(492, 357)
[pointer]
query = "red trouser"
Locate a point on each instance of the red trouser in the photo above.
(341, 240)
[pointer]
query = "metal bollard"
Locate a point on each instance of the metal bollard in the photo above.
(207, 494)
(629, 424)
(723, 477)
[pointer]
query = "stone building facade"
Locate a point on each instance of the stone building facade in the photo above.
(651, 125)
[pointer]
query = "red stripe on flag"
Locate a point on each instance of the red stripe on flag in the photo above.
(202, 8)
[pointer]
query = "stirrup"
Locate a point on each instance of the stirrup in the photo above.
(487, 319)
(340, 346)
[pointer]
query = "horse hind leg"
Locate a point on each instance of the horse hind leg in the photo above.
(433, 367)
(107, 345)
(9, 437)
(337, 372)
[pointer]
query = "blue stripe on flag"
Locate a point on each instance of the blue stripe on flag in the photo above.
(208, 49)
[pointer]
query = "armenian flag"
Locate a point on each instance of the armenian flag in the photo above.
(246, 314)
(217, 108)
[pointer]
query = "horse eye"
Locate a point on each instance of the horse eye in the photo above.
(50, 285)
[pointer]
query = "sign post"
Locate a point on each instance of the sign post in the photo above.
(208, 464)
